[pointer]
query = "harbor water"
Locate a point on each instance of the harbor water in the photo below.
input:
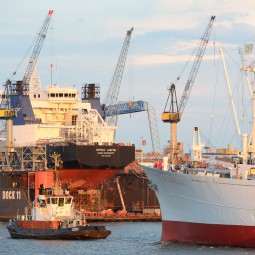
(126, 238)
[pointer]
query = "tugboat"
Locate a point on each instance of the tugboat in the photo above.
(53, 216)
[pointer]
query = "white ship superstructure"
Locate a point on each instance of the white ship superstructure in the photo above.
(59, 115)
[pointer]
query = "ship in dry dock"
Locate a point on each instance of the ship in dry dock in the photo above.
(55, 128)
(70, 127)
(89, 170)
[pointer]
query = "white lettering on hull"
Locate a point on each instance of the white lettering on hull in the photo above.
(106, 152)
(11, 194)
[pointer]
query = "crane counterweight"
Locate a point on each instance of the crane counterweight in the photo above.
(171, 117)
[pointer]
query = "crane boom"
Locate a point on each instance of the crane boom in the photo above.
(196, 64)
(113, 91)
(17, 92)
(24, 87)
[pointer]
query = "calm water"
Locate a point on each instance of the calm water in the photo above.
(126, 238)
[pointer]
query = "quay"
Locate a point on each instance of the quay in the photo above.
(131, 217)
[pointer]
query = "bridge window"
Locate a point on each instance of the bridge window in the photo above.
(41, 202)
(68, 200)
(54, 200)
(61, 201)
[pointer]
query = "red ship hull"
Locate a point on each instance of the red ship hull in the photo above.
(85, 178)
(210, 234)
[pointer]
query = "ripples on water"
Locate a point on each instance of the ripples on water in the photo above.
(127, 238)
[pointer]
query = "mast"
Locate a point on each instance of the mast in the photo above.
(230, 91)
(251, 142)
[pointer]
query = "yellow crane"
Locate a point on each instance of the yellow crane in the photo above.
(174, 112)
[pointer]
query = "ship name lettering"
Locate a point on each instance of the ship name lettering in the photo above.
(11, 194)
(100, 149)
(113, 150)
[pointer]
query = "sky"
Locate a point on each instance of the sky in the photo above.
(84, 42)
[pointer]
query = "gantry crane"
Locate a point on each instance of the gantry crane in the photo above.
(11, 106)
(138, 106)
(113, 91)
(174, 113)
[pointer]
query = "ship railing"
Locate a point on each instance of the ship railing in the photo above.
(24, 217)
(78, 214)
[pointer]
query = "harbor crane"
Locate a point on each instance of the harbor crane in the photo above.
(173, 112)
(12, 108)
(113, 91)
(112, 108)
(19, 90)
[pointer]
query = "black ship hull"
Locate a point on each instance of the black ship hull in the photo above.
(73, 156)
(76, 233)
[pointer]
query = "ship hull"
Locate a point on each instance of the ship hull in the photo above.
(88, 166)
(204, 209)
(211, 234)
(76, 233)
(114, 156)
(85, 178)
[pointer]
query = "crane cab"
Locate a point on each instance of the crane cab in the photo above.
(8, 113)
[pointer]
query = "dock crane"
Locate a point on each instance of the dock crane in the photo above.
(19, 90)
(173, 115)
(15, 92)
(113, 91)
(112, 108)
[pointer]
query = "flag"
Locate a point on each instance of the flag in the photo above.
(143, 142)
(247, 48)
